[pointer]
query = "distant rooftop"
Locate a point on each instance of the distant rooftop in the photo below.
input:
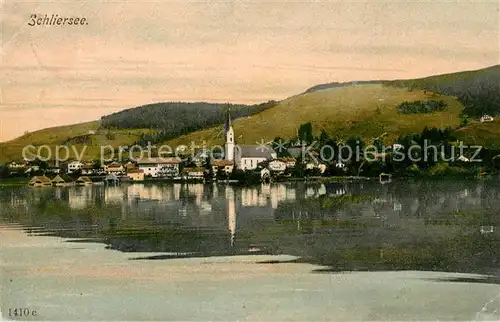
(159, 160)
(255, 151)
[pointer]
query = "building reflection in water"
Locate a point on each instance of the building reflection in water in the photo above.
(79, 197)
(195, 205)
(230, 209)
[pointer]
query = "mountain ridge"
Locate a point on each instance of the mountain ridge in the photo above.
(469, 93)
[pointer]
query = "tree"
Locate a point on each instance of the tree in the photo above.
(221, 174)
(4, 171)
(495, 162)
(96, 164)
(305, 133)
(464, 120)
(209, 171)
(299, 171)
(323, 137)
(237, 174)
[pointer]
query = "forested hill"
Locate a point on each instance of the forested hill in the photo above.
(176, 118)
(478, 90)
(337, 84)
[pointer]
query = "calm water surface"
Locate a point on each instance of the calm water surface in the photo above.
(440, 226)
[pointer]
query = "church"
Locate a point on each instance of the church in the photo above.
(244, 157)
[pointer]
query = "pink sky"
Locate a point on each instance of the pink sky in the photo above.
(134, 53)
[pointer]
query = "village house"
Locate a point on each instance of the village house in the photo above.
(289, 161)
(114, 168)
(130, 166)
(16, 165)
(486, 118)
(316, 165)
(87, 169)
(341, 165)
(226, 165)
(277, 165)
(463, 159)
(32, 168)
(248, 157)
(201, 155)
(196, 173)
(74, 166)
(135, 174)
(159, 167)
(53, 170)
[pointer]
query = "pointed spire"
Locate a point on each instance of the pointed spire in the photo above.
(228, 119)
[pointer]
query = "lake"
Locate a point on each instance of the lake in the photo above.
(450, 226)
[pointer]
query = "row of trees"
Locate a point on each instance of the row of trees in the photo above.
(417, 107)
(431, 148)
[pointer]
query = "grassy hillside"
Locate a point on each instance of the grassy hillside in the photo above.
(477, 90)
(485, 134)
(74, 136)
(364, 110)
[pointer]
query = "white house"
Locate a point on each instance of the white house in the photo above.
(115, 168)
(486, 118)
(32, 168)
(135, 175)
(74, 166)
(397, 146)
(227, 165)
(87, 169)
(245, 157)
(277, 165)
(463, 159)
(341, 165)
(159, 167)
(316, 165)
(15, 165)
(289, 161)
(193, 173)
(248, 157)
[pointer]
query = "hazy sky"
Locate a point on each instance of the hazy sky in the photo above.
(133, 53)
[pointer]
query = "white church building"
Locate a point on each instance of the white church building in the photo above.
(245, 157)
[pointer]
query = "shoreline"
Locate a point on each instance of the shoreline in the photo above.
(333, 179)
(84, 281)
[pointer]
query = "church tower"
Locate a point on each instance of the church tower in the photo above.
(229, 145)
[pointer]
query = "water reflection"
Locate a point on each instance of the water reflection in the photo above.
(426, 225)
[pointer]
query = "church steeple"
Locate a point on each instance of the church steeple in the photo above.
(228, 120)
(229, 133)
